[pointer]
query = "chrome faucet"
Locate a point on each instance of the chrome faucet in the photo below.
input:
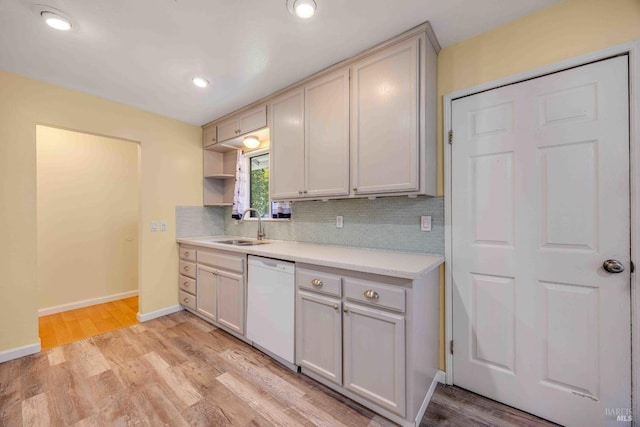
(261, 234)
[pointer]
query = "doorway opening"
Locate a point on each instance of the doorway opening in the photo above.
(87, 234)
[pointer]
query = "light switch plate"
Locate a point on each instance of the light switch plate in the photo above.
(425, 223)
(163, 225)
(339, 221)
(154, 226)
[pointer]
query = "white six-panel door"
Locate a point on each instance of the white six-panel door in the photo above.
(540, 199)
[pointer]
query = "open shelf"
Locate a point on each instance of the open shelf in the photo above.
(221, 176)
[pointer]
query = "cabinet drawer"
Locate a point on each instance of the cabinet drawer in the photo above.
(224, 262)
(188, 268)
(187, 300)
(374, 294)
(188, 254)
(319, 282)
(187, 284)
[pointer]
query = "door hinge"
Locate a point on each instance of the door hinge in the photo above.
(633, 267)
(451, 346)
(450, 137)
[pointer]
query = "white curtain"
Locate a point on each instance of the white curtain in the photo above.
(240, 190)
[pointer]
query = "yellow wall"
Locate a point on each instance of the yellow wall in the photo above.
(170, 175)
(562, 31)
(87, 213)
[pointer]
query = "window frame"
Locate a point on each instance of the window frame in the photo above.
(248, 156)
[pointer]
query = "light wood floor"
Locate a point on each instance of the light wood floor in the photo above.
(73, 325)
(178, 370)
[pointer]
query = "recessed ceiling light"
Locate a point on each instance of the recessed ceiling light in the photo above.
(302, 8)
(200, 82)
(56, 21)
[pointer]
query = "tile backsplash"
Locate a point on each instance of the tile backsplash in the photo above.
(384, 223)
(195, 221)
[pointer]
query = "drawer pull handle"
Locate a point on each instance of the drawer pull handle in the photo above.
(317, 282)
(186, 254)
(370, 293)
(186, 268)
(186, 300)
(186, 284)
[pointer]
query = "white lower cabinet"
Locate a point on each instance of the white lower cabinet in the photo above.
(319, 335)
(374, 359)
(372, 338)
(207, 293)
(231, 301)
(218, 291)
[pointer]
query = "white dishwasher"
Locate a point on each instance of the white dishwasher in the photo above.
(271, 307)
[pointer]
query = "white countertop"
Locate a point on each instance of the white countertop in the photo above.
(397, 264)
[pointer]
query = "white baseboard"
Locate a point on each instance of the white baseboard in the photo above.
(15, 353)
(158, 313)
(85, 303)
(438, 378)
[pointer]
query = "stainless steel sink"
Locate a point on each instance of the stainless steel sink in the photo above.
(241, 242)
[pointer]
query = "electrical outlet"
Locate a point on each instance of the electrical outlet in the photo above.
(154, 226)
(339, 221)
(163, 225)
(425, 223)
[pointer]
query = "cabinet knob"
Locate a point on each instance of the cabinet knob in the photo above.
(186, 300)
(317, 282)
(299, 191)
(336, 306)
(305, 191)
(370, 293)
(186, 284)
(345, 310)
(186, 268)
(355, 188)
(213, 139)
(187, 254)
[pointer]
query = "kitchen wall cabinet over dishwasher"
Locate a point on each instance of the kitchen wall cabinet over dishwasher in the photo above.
(311, 126)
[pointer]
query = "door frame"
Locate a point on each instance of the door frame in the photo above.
(633, 50)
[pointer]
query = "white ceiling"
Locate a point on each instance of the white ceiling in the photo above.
(144, 53)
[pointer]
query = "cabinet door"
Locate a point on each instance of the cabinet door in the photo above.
(327, 135)
(374, 356)
(231, 301)
(253, 120)
(287, 146)
(319, 335)
(385, 133)
(227, 130)
(209, 136)
(206, 293)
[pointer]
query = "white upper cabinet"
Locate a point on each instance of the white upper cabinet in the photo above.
(366, 127)
(242, 124)
(310, 140)
(385, 131)
(327, 136)
(287, 146)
